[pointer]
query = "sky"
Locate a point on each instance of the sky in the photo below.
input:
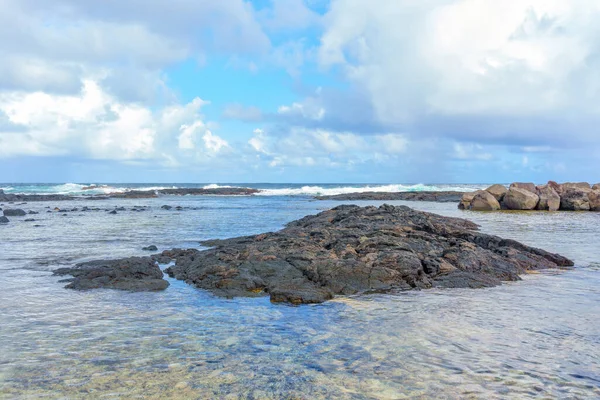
(383, 91)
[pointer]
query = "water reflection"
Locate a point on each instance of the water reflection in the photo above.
(538, 338)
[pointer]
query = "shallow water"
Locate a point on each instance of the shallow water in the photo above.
(537, 338)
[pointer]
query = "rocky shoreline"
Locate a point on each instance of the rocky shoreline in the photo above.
(343, 251)
(131, 194)
(579, 196)
(440, 197)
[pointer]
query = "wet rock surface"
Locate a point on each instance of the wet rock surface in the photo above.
(15, 212)
(136, 274)
(350, 250)
(440, 197)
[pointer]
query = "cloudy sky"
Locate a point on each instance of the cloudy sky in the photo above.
(399, 91)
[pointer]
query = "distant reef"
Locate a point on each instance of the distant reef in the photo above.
(441, 197)
(570, 196)
(131, 194)
(347, 250)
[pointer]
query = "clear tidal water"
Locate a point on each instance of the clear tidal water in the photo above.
(538, 338)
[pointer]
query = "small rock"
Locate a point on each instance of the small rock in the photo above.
(112, 212)
(166, 207)
(15, 212)
(30, 220)
(4, 220)
(150, 248)
(33, 212)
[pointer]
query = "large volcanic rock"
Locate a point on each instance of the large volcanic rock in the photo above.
(498, 191)
(594, 199)
(530, 187)
(549, 199)
(135, 274)
(575, 198)
(350, 249)
(520, 199)
(484, 201)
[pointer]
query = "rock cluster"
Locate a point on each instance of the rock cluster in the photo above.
(134, 274)
(527, 196)
(350, 250)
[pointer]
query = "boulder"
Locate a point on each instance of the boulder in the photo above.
(498, 191)
(520, 199)
(596, 186)
(465, 201)
(150, 248)
(530, 187)
(577, 185)
(166, 207)
(484, 201)
(351, 250)
(4, 220)
(594, 198)
(549, 199)
(15, 212)
(575, 199)
(557, 187)
(136, 274)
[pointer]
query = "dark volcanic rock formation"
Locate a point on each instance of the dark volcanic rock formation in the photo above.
(135, 274)
(350, 249)
(441, 197)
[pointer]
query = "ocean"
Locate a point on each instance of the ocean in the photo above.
(536, 338)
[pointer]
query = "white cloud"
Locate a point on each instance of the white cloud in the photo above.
(468, 56)
(97, 125)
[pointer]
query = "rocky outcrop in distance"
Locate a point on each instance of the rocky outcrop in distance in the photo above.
(135, 274)
(131, 194)
(440, 197)
(351, 250)
(578, 196)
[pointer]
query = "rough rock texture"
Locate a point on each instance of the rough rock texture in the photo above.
(596, 186)
(15, 212)
(440, 197)
(351, 249)
(498, 191)
(134, 274)
(549, 199)
(4, 220)
(594, 199)
(484, 201)
(465, 201)
(557, 187)
(576, 185)
(520, 199)
(575, 199)
(530, 187)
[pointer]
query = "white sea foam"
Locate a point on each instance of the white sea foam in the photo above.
(330, 191)
(215, 186)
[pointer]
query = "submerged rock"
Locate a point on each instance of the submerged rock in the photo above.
(15, 212)
(4, 220)
(135, 274)
(150, 248)
(350, 249)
